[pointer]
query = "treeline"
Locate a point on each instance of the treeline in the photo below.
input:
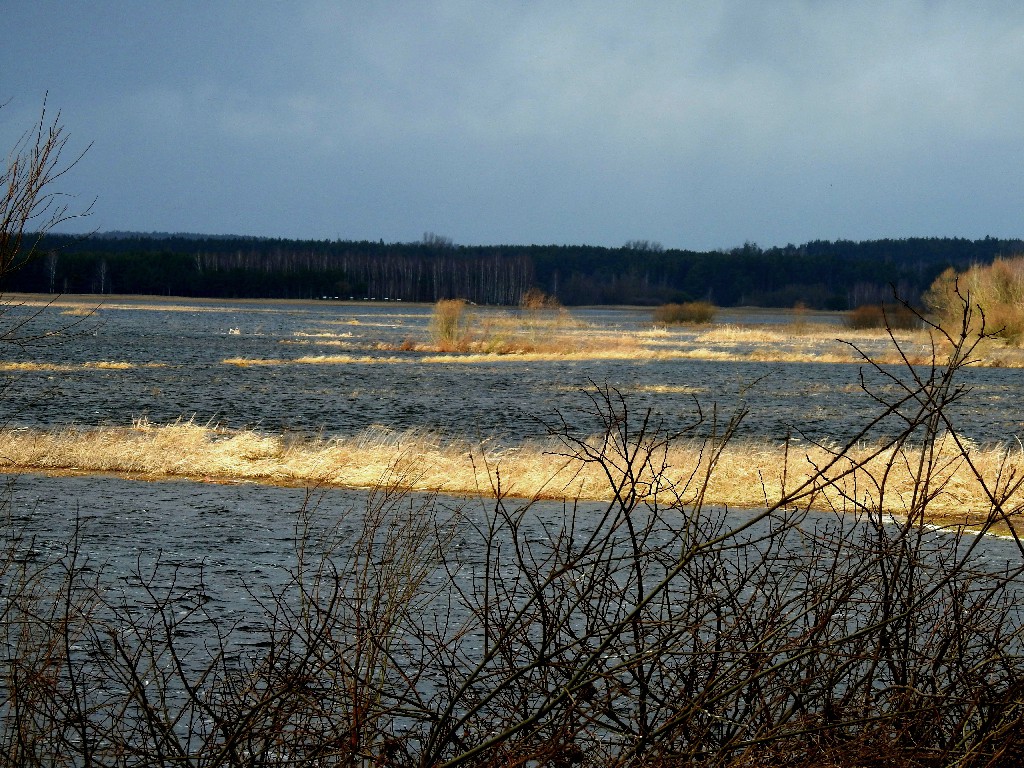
(821, 274)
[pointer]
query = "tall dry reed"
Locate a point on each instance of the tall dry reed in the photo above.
(449, 325)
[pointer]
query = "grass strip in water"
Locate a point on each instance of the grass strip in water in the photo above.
(747, 474)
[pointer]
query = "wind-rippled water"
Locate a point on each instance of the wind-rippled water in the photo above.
(179, 372)
(228, 548)
(177, 356)
(232, 547)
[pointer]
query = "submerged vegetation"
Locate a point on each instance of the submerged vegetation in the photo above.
(652, 629)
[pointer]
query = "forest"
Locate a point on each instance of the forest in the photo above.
(820, 274)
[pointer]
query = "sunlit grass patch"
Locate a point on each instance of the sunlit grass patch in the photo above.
(244, 362)
(669, 389)
(346, 359)
(108, 365)
(747, 474)
(319, 343)
(531, 357)
(731, 334)
(112, 365)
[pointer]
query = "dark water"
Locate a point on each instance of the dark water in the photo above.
(221, 546)
(231, 547)
(179, 372)
(237, 535)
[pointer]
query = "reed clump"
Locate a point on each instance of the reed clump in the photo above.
(541, 327)
(449, 324)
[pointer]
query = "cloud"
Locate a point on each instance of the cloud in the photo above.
(696, 124)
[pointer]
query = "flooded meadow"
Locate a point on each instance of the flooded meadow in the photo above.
(325, 368)
(401, 545)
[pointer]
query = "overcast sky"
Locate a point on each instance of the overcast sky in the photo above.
(695, 124)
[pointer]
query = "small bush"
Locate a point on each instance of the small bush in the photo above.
(537, 299)
(695, 312)
(449, 324)
(894, 316)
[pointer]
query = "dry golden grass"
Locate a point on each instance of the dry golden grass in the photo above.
(747, 474)
(735, 334)
(669, 389)
(323, 335)
(550, 332)
(245, 362)
(824, 353)
(103, 365)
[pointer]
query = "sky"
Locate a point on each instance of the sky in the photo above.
(698, 125)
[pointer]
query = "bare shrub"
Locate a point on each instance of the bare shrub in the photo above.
(690, 312)
(536, 299)
(866, 316)
(30, 206)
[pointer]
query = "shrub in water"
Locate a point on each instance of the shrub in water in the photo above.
(448, 324)
(697, 312)
(535, 298)
(895, 316)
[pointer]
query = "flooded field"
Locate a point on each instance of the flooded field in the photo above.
(228, 600)
(336, 369)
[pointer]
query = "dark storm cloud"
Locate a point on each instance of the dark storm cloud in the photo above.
(696, 124)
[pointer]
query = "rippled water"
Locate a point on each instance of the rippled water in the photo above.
(242, 534)
(229, 547)
(179, 372)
